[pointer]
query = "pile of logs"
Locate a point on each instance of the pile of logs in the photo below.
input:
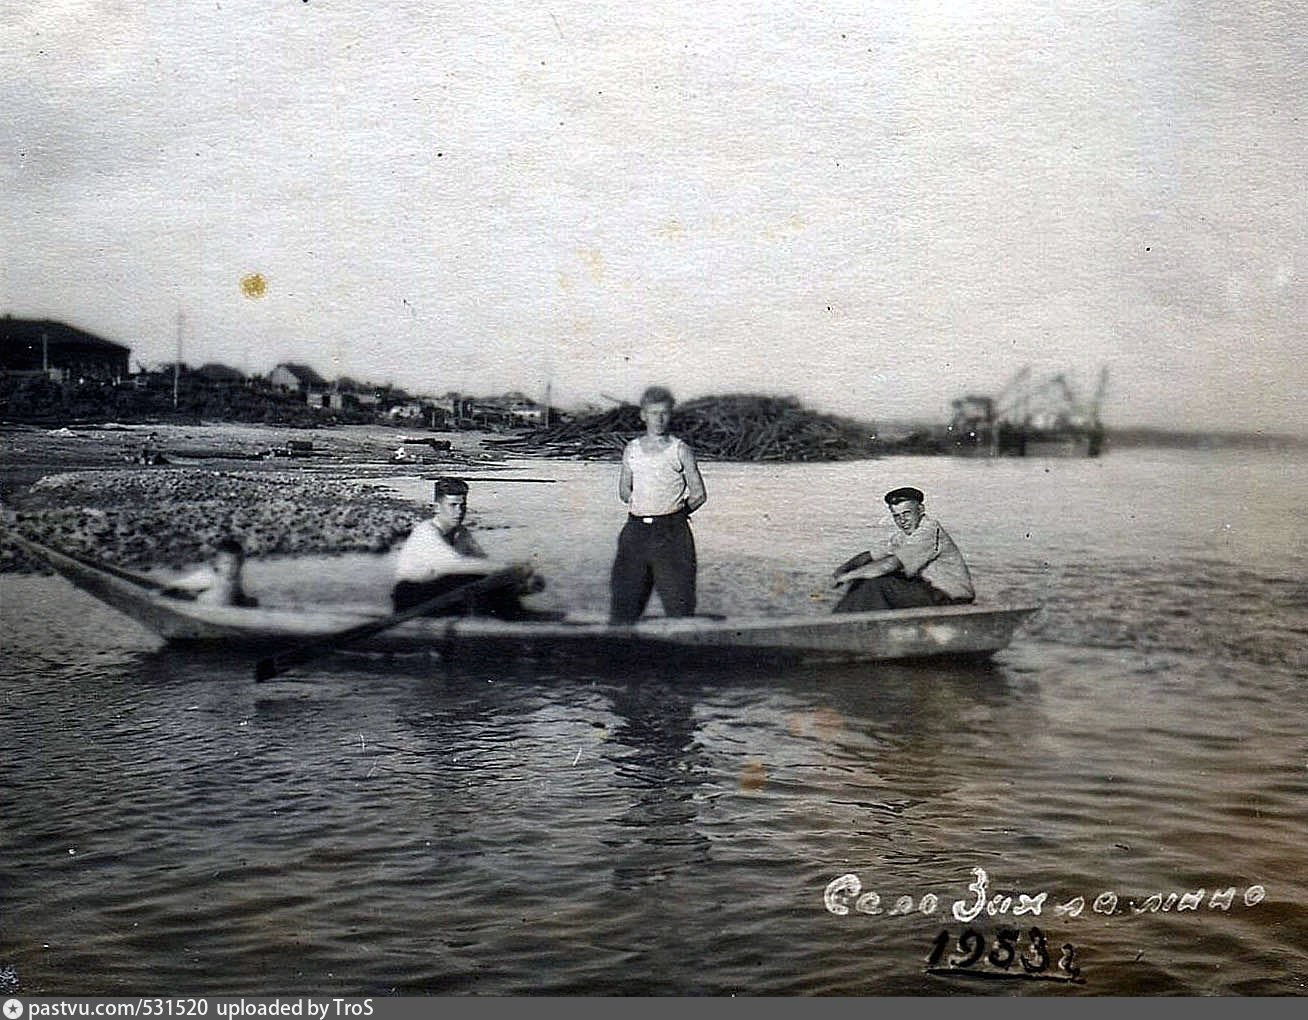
(741, 427)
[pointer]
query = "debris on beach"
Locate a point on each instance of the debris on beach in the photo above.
(742, 427)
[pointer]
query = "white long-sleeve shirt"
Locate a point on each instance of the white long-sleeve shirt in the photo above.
(428, 554)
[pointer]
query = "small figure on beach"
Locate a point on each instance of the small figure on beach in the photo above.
(441, 555)
(404, 455)
(661, 485)
(915, 563)
(151, 452)
(218, 583)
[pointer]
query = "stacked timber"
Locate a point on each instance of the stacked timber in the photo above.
(743, 427)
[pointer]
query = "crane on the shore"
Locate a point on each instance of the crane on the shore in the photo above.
(1055, 399)
(1011, 399)
(1100, 392)
(1024, 410)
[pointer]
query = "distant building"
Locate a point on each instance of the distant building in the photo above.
(526, 412)
(346, 392)
(291, 377)
(451, 406)
(160, 376)
(336, 398)
(65, 353)
(509, 409)
(972, 410)
(410, 410)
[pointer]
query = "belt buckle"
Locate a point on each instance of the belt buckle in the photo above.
(647, 520)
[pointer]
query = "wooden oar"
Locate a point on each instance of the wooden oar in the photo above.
(36, 548)
(267, 668)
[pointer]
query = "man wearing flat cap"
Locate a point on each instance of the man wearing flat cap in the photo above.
(914, 564)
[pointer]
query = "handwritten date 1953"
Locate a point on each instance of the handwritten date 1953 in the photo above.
(1009, 956)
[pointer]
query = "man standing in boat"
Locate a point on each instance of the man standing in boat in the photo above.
(661, 485)
(914, 564)
(441, 555)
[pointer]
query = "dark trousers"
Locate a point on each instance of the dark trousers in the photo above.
(503, 604)
(659, 556)
(892, 591)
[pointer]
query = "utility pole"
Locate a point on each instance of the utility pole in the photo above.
(546, 422)
(177, 364)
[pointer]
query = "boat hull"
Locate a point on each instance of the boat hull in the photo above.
(896, 634)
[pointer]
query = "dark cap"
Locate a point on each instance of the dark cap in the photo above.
(903, 494)
(450, 487)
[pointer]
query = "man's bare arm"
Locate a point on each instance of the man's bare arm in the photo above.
(696, 493)
(873, 568)
(853, 563)
(624, 483)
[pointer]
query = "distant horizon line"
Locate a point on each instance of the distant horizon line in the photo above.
(600, 399)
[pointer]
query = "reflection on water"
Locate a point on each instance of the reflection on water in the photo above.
(398, 824)
(659, 765)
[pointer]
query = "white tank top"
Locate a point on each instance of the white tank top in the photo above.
(658, 480)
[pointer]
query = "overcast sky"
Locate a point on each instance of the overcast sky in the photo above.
(875, 207)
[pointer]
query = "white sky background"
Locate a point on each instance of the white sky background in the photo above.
(875, 207)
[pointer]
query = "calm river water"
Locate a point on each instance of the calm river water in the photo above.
(376, 826)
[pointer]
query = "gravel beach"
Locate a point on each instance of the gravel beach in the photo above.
(73, 489)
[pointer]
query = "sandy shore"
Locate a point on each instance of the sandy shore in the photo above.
(74, 489)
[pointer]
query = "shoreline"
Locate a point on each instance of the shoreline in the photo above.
(75, 489)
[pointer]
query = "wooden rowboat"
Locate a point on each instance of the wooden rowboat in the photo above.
(972, 631)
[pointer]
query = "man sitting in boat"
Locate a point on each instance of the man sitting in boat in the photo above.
(219, 582)
(915, 563)
(440, 555)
